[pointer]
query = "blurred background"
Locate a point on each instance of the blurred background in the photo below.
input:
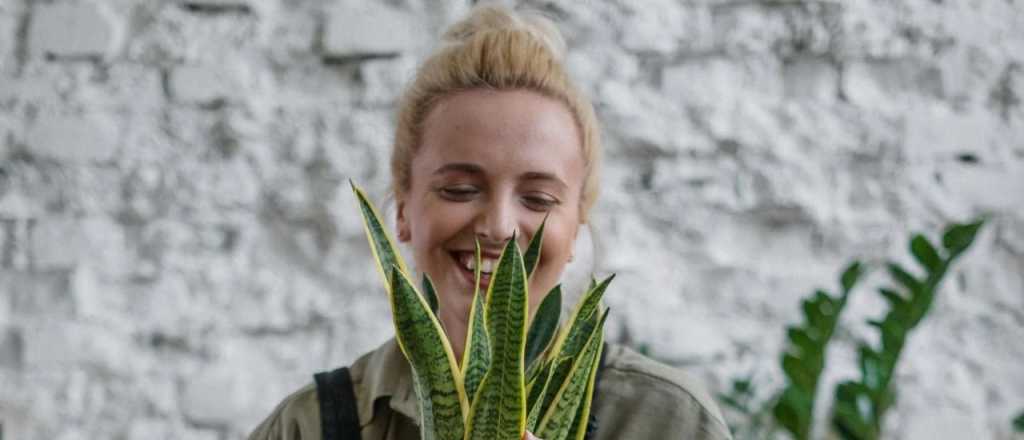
(179, 249)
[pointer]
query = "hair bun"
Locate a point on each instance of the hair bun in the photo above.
(490, 17)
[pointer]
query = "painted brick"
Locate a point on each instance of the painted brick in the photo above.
(890, 84)
(204, 84)
(154, 243)
(665, 27)
(781, 27)
(814, 79)
(74, 139)
(8, 39)
(58, 243)
(73, 29)
(12, 348)
(370, 29)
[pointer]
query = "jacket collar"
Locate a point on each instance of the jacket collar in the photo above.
(386, 373)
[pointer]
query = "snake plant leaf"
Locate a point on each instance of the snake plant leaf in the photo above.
(545, 322)
(442, 399)
(558, 420)
(572, 348)
(578, 429)
(383, 247)
(532, 255)
(499, 407)
(534, 371)
(536, 379)
(925, 253)
(476, 357)
(534, 393)
(430, 293)
(583, 311)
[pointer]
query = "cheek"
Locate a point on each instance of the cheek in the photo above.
(434, 229)
(558, 244)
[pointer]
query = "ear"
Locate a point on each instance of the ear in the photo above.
(402, 223)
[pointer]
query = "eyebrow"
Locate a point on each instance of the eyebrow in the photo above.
(471, 168)
(464, 167)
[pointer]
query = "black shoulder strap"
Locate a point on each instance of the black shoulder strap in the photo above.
(339, 417)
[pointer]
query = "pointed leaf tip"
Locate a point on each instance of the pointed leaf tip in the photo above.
(430, 294)
(545, 322)
(532, 255)
(851, 275)
(958, 237)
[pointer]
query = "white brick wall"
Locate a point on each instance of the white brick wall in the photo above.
(179, 249)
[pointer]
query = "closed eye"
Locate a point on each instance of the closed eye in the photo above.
(459, 193)
(540, 203)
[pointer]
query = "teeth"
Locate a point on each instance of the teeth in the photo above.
(486, 264)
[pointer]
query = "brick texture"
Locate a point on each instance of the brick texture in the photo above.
(179, 249)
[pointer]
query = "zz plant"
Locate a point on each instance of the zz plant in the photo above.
(859, 404)
(512, 376)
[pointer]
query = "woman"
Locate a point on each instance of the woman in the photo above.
(491, 138)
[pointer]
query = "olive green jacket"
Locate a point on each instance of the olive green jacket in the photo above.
(636, 398)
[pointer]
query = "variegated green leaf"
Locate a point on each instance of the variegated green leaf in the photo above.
(578, 429)
(538, 389)
(557, 422)
(533, 371)
(545, 322)
(476, 357)
(499, 409)
(430, 293)
(584, 309)
(442, 399)
(532, 255)
(383, 248)
(571, 349)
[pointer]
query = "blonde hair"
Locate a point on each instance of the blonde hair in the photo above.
(495, 48)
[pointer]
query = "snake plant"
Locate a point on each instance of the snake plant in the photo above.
(514, 375)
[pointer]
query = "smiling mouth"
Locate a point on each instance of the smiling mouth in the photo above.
(466, 264)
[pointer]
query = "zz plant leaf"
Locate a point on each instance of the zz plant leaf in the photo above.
(861, 404)
(486, 395)
(804, 359)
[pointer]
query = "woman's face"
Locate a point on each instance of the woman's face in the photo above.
(490, 163)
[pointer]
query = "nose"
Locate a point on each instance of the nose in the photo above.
(496, 223)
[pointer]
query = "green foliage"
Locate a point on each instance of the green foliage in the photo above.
(509, 379)
(804, 359)
(1018, 422)
(756, 410)
(861, 404)
(545, 322)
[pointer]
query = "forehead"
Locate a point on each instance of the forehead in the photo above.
(514, 131)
